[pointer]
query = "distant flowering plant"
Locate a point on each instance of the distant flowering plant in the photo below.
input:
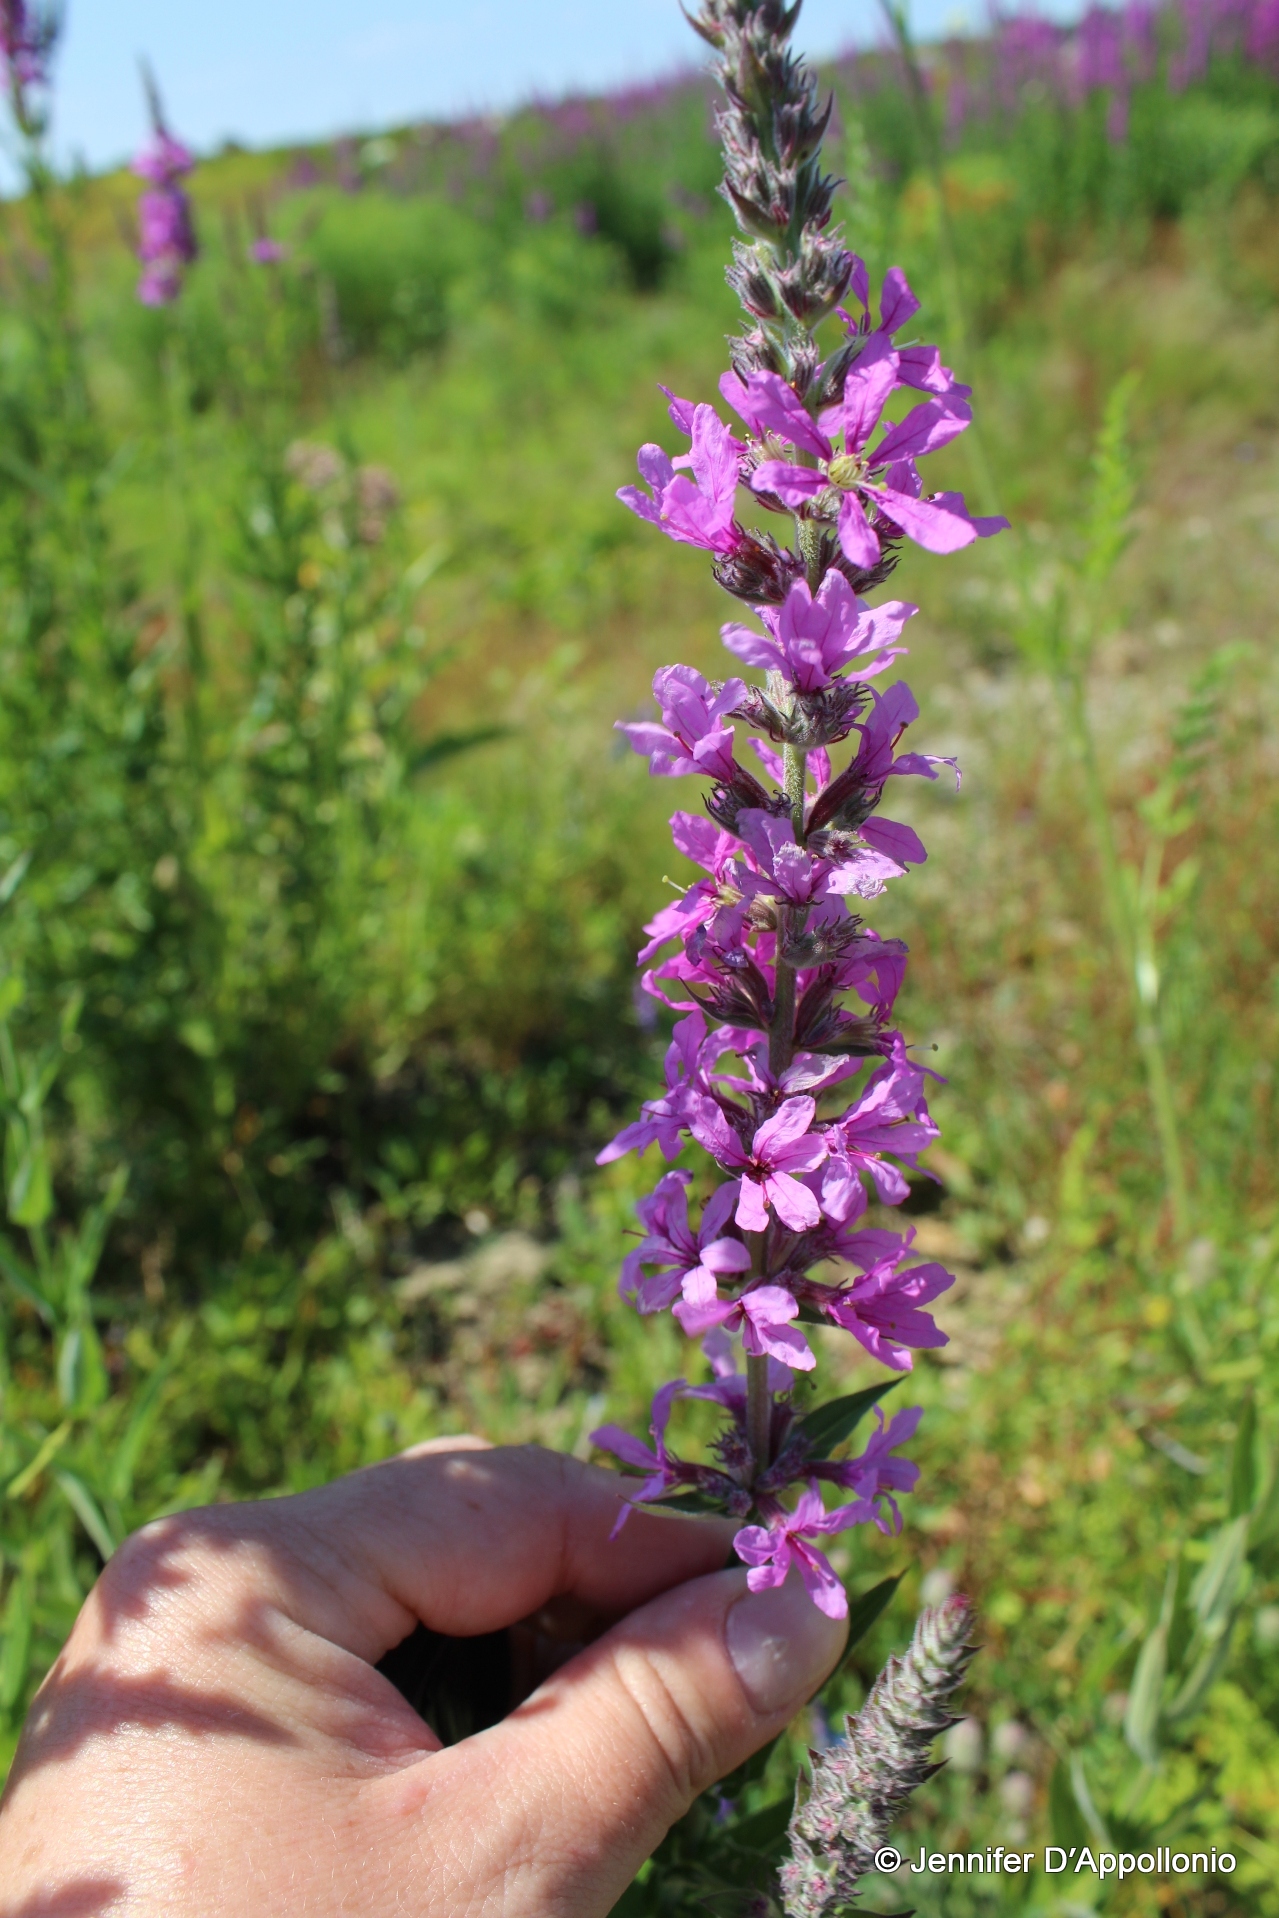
(784, 1066)
(167, 244)
(28, 35)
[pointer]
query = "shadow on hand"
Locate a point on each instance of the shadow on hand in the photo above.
(85, 1898)
(96, 1703)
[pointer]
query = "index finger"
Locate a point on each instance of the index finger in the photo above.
(462, 1541)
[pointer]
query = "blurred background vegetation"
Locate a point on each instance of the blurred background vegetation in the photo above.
(322, 870)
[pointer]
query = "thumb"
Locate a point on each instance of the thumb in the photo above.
(582, 1782)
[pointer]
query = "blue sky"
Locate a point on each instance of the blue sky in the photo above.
(275, 70)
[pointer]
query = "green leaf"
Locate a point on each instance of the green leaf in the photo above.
(748, 1773)
(15, 1654)
(1243, 1461)
(30, 1195)
(1203, 1675)
(87, 1510)
(1216, 1590)
(12, 879)
(1108, 527)
(835, 1421)
(690, 1502)
(23, 1280)
(1065, 1819)
(1084, 1799)
(764, 1831)
(449, 745)
(124, 1463)
(1177, 1615)
(1141, 1720)
(31, 1471)
(867, 1606)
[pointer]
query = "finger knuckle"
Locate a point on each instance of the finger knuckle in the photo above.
(679, 1734)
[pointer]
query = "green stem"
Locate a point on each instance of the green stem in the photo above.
(809, 537)
(759, 1412)
(1120, 912)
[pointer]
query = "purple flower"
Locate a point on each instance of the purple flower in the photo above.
(810, 638)
(268, 252)
(862, 781)
(666, 1120)
(917, 366)
(28, 36)
(769, 405)
(784, 870)
(662, 1470)
(875, 1474)
(693, 736)
(166, 236)
(697, 511)
(780, 1148)
(780, 868)
(885, 479)
(762, 1315)
(687, 1261)
(728, 1388)
(165, 161)
(882, 1310)
(891, 1116)
(770, 1550)
(708, 846)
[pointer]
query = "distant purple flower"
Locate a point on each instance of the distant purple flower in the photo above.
(685, 1260)
(697, 511)
(28, 35)
(811, 638)
(770, 1550)
(166, 235)
(693, 736)
(267, 252)
(165, 161)
(782, 1147)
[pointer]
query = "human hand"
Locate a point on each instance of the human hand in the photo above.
(214, 1739)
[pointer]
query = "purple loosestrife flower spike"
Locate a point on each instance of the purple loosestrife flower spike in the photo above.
(783, 1066)
(28, 36)
(167, 244)
(861, 1784)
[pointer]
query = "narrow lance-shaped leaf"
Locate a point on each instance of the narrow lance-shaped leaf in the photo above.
(829, 1425)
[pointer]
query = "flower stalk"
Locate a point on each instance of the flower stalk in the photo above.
(784, 1065)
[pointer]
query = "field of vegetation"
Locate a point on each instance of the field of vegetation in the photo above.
(322, 870)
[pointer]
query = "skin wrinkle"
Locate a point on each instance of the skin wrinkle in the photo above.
(681, 1764)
